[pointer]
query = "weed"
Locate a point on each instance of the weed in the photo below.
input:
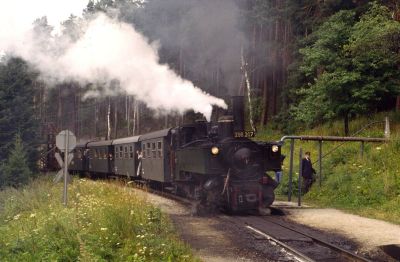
(103, 222)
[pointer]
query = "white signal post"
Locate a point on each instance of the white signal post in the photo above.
(66, 142)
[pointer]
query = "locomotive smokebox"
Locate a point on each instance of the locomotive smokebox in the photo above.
(225, 127)
(237, 111)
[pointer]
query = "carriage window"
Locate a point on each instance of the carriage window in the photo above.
(126, 152)
(153, 150)
(131, 152)
(148, 149)
(102, 153)
(105, 152)
(95, 153)
(144, 151)
(159, 149)
(116, 152)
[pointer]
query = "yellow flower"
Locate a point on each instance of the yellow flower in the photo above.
(32, 215)
(103, 229)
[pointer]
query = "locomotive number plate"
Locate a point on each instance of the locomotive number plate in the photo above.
(241, 134)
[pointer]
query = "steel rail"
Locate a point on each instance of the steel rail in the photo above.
(345, 252)
(300, 256)
(335, 138)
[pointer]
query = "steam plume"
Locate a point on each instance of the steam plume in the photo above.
(109, 50)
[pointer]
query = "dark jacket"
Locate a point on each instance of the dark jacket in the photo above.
(308, 170)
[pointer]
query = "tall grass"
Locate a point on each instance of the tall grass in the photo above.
(103, 222)
(367, 185)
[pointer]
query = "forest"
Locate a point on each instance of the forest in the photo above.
(298, 63)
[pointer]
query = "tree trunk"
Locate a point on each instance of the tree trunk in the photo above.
(264, 114)
(108, 119)
(116, 117)
(346, 124)
(398, 104)
(59, 111)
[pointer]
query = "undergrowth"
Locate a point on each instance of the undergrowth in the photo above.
(103, 222)
(368, 185)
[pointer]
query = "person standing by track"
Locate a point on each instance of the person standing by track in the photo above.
(307, 172)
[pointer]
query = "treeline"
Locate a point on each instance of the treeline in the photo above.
(18, 123)
(300, 62)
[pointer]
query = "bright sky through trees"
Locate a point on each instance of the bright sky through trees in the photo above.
(16, 16)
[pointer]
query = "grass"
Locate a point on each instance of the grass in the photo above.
(103, 222)
(368, 185)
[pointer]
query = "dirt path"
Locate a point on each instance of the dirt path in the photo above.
(367, 233)
(211, 239)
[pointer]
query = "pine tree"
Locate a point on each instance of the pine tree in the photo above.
(15, 171)
(17, 111)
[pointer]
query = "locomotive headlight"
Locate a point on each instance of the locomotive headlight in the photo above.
(214, 150)
(275, 148)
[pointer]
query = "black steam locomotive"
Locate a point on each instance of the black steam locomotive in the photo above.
(219, 166)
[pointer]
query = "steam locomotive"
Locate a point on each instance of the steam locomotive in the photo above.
(218, 166)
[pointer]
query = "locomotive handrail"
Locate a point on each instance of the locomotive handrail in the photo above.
(193, 142)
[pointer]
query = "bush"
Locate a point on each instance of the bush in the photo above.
(15, 171)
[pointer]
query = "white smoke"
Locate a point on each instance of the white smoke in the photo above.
(111, 50)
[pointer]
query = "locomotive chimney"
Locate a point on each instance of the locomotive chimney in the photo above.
(237, 107)
(225, 127)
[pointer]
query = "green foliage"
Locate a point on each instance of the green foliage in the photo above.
(17, 108)
(15, 172)
(368, 185)
(350, 66)
(103, 222)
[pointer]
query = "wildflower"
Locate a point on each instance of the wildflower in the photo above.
(360, 166)
(132, 212)
(48, 195)
(32, 215)
(103, 229)
(16, 217)
(78, 195)
(378, 148)
(118, 244)
(358, 187)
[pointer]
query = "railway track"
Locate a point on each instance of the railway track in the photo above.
(297, 244)
(300, 246)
